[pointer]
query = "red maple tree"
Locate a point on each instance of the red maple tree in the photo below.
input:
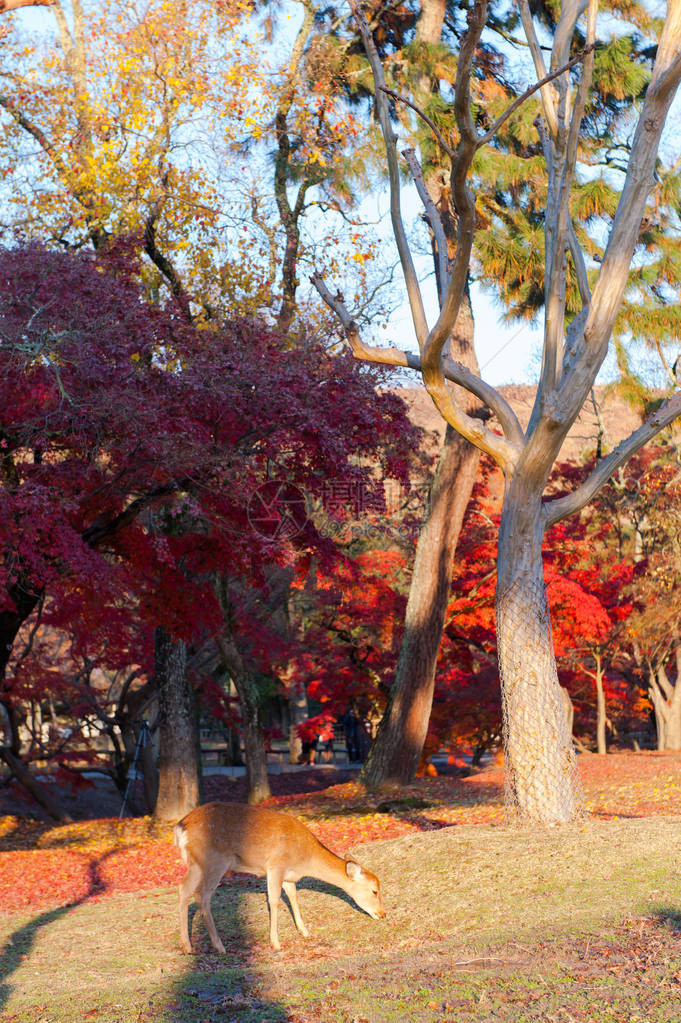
(132, 445)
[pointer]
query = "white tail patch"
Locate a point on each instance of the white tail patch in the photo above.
(180, 839)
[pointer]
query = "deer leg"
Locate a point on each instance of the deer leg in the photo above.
(273, 899)
(290, 889)
(186, 889)
(204, 892)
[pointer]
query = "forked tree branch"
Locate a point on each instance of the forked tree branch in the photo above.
(559, 235)
(615, 264)
(540, 67)
(561, 507)
(507, 447)
(451, 153)
(489, 135)
(432, 343)
(464, 205)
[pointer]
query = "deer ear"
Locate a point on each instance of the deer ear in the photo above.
(353, 870)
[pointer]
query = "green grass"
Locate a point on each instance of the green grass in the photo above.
(484, 923)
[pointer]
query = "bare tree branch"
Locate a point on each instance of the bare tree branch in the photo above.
(464, 204)
(612, 279)
(424, 117)
(489, 135)
(434, 220)
(558, 222)
(408, 269)
(540, 67)
(505, 448)
(560, 508)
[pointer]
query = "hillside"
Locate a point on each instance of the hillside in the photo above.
(618, 419)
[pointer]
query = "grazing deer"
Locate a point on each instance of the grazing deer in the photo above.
(220, 837)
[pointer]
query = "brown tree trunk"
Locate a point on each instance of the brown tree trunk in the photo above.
(396, 752)
(255, 752)
(179, 789)
(601, 715)
(32, 785)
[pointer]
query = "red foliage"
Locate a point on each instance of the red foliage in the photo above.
(131, 446)
(587, 595)
(352, 636)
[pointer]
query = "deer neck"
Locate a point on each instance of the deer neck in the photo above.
(330, 868)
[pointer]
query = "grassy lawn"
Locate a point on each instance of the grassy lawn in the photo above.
(485, 922)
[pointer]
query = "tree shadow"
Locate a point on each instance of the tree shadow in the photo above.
(21, 942)
(217, 987)
(669, 916)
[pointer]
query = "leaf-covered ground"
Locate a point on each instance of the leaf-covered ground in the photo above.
(44, 866)
(485, 923)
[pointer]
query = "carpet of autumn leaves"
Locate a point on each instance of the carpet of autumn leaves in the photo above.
(44, 866)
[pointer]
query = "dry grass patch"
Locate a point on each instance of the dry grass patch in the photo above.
(475, 916)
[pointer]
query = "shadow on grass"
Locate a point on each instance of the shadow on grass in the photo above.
(220, 988)
(233, 987)
(21, 942)
(670, 916)
(19, 945)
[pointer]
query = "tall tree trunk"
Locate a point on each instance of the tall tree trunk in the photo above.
(397, 750)
(540, 760)
(298, 712)
(666, 700)
(255, 751)
(179, 789)
(601, 715)
(395, 754)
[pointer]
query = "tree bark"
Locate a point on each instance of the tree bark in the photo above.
(601, 715)
(255, 752)
(666, 700)
(397, 750)
(38, 791)
(395, 754)
(540, 758)
(179, 789)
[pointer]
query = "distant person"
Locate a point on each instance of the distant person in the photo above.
(309, 754)
(5, 728)
(351, 726)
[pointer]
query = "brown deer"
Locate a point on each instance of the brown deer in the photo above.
(220, 837)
